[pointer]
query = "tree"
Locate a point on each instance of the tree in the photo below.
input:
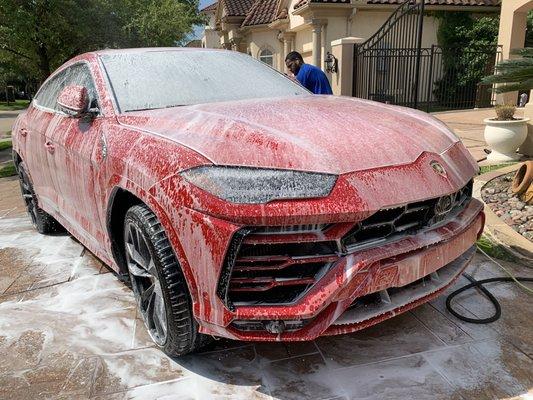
(40, 35)
(529, 30)
(515, 74)
(468, 48)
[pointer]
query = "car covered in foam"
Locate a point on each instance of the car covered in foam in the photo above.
(238, 204)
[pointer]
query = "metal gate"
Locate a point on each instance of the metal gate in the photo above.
(393, 67)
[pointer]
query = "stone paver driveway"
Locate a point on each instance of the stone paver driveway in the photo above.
(69, 330)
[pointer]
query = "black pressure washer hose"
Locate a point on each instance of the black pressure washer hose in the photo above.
(474, 283)
(479, 285)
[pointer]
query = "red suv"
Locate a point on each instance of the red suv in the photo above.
(240, 205)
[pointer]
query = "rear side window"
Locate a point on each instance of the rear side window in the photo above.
(78, 74)
(47, 96)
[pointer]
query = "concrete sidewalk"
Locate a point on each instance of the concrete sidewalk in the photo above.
(7, 119)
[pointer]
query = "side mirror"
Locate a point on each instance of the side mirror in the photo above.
(74, 100)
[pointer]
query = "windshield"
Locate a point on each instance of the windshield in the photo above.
(161, 79)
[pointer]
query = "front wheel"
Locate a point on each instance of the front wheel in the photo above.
(158, 284)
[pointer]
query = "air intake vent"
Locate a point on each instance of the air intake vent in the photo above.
(273, 265)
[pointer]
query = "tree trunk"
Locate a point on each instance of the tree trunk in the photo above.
(44, 63)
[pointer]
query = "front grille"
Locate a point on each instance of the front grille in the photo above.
(389, 224)
(275, 265)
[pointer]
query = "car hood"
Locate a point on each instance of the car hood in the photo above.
(311, 133)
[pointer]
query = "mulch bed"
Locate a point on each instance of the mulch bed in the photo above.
(498, 195)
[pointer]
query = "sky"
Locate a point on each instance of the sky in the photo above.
(197, 34)
(204, 3)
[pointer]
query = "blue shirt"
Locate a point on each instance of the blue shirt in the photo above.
(314, 79)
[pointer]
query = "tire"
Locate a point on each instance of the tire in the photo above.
(159, 286)
(40, 219)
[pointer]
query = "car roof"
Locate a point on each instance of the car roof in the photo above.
(152, 49)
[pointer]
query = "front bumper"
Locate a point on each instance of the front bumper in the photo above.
(330, 307)
(202, 230)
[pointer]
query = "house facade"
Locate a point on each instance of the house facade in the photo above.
(269, 29)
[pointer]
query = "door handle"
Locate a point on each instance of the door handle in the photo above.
(23, 132)
(50, 147)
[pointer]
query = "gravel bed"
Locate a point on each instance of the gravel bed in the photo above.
(498, 195)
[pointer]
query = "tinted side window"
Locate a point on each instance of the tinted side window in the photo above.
(78, 74)
(47, 96)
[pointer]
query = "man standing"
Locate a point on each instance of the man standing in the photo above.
(309, 76)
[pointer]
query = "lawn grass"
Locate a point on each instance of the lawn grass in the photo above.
(14, 106)
(5, 144)
(487, 168)
(8, 170)
(494, 250)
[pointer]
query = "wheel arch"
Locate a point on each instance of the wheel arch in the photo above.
(120, 201)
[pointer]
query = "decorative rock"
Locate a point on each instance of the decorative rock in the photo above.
(514, 212)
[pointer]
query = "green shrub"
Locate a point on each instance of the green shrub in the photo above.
(494, 250)
(5, 144)
(8, 170)
(468, 48)
(514, 74)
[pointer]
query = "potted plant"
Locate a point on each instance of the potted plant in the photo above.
(505, 133)
(512, 75)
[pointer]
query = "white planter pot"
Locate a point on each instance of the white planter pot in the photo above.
(504, 137)
(527, 147)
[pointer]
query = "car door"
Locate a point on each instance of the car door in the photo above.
(38, 119)
(73, 171)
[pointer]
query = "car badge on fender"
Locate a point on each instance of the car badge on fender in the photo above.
(438, 168)
(444, 205)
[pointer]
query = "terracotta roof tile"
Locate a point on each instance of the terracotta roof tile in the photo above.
(262, 12)
(302, 3)
(237, 8)
(493, 3)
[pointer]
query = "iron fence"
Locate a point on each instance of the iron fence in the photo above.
(393, 67)
(431, 79)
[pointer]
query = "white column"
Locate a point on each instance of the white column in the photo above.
(286, 50)
(511, 35)
(324, 49)
(317, 45)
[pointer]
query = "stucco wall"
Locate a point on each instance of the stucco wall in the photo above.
(258, 40)
(366, 23)
(210, 40)
(303, 43)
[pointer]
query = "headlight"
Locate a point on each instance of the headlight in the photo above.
(256, 185)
